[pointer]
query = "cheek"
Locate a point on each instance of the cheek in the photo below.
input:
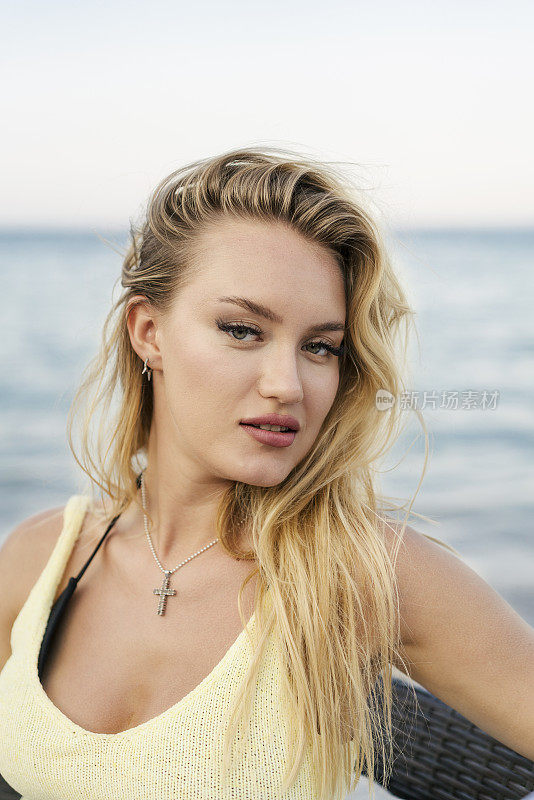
(320, 388)
(202, 381)
(319, 396)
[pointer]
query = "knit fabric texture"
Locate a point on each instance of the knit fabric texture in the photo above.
(174, 756)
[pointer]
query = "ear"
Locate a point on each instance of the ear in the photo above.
(143, 321)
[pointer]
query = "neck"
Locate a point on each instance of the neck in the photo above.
(174, 533)
(182, 499)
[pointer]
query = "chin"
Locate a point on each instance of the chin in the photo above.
(263, 476)
(271, 479)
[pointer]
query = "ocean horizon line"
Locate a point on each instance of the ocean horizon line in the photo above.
(95, 230)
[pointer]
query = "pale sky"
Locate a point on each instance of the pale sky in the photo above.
(430, 100)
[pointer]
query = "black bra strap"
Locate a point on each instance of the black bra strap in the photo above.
(59, 606)
(80, 573)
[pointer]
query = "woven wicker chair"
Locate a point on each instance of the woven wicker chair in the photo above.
(441, 755)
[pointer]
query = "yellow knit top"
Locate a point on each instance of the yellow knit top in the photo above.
(174, 756)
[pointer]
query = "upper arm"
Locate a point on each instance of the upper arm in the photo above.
(464, 643)
(23, 556)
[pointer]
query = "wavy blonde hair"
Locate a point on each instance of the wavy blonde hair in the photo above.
(318, 535)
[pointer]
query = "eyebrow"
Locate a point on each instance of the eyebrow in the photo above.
(267, 313)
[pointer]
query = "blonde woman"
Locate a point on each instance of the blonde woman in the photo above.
(240, 589)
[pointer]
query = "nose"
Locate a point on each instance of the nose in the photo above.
(280, 376)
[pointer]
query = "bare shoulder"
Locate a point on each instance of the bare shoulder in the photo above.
(418, 561)
(463, 641)
(23, 556)
(25, 553)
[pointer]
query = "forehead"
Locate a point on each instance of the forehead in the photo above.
(269, 260)
(249, 237)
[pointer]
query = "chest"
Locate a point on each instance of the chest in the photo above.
(115, 663)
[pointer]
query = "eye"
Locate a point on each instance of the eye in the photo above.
(232, 327)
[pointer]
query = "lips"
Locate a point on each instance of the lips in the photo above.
(282, 420)
(272, 438)
(265, 423)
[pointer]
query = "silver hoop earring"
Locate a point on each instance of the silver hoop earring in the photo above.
(147, 369)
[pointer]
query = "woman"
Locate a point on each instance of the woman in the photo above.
(249, 590)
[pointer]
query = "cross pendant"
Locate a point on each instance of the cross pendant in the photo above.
(163, 593)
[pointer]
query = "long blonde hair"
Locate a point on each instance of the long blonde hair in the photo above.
(318, 535)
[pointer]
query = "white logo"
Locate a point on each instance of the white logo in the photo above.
(384, 400)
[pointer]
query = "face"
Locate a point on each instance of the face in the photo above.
(216, 363)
